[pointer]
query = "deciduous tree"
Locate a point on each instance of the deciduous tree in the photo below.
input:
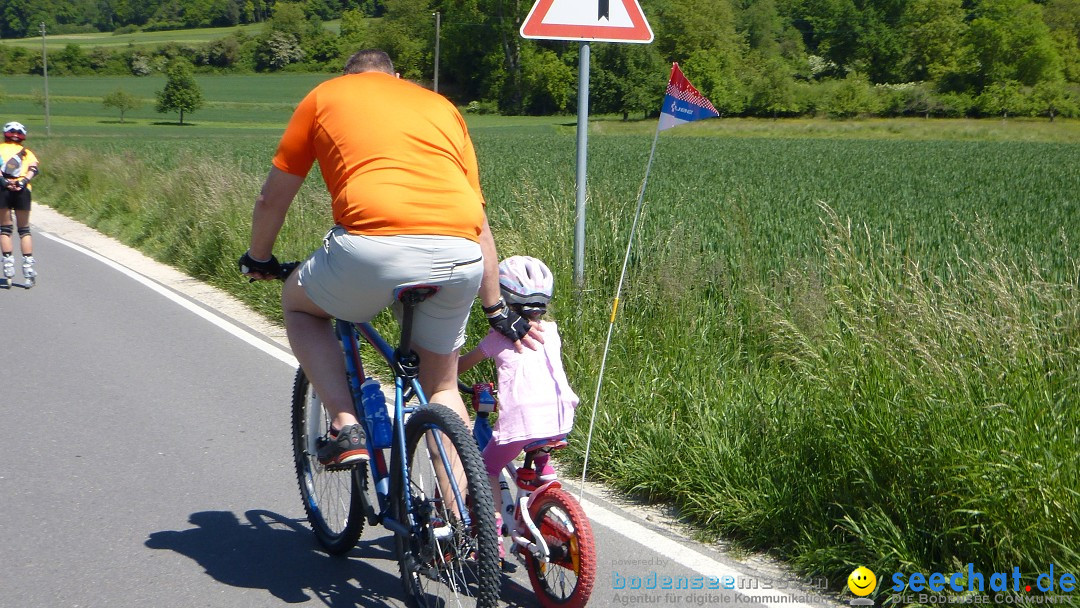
(934, 32)
(121, 100)
(181, 92)
(1012, 43)
(1050, 97)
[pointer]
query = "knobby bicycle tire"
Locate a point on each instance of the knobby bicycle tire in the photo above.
(333, 500)
(567, 580)
(448, 562)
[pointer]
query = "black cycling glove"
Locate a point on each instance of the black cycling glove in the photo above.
(268, 267)
(507, 322)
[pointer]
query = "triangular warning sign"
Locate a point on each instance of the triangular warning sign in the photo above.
(588, 20)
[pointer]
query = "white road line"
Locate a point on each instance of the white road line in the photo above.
(685, 556)
(670, 549)
(266, 347)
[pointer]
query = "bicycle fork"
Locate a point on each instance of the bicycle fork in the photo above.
(533, 542)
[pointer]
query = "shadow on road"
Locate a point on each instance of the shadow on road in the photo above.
(279, 554)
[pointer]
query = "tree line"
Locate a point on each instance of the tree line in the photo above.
(749, 57)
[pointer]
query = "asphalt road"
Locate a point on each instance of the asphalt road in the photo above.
(145, 461)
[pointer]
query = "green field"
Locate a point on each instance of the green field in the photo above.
(111, 40)
(237, 101)
(846, 343)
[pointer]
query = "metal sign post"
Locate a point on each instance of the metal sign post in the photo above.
(585, 21)
(582, 166)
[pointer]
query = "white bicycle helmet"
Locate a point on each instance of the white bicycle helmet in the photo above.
(527, 282)
(15, 131)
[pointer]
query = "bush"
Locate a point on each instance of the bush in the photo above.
(853, 96)
(481, 107)
(956, 105)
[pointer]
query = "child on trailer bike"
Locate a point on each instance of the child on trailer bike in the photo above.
(535, 398)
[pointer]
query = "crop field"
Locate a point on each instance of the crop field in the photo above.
(848, 344)
(238, 101)
(54, 42)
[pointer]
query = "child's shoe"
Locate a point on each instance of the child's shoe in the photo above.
(502, 550)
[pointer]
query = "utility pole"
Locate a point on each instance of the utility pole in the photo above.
(45, 71)
(438, 25)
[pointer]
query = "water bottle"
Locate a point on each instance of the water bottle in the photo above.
(378, 421)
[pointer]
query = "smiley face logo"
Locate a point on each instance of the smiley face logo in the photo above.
(862, 581)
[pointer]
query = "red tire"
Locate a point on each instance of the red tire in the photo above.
(567, 580)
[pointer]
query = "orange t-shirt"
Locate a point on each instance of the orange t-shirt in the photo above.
(396, 158)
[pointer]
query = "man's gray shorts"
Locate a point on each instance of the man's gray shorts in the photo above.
(354, 277)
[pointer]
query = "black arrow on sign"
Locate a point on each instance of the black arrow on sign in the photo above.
(604, 10)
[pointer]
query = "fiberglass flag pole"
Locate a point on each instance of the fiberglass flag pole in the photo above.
(682, 104)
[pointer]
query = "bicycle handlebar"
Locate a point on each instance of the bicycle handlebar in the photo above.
(287, 268)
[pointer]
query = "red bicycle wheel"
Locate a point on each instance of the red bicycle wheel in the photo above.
(566, 581)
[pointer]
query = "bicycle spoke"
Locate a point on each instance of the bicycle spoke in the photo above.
(447, 564)
(332, 499)
(567, 579)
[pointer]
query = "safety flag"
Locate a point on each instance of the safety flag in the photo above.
(683, 103)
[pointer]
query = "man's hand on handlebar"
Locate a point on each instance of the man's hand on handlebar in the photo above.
(259, 270)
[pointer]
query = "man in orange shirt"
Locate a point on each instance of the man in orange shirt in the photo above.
(402, 174)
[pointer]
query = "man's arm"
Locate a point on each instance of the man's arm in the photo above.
(489, 284)
(491, 296)
(268, 215)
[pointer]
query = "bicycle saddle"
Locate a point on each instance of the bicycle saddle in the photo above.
(548, 443)
(414, 294)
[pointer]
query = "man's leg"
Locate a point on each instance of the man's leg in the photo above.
(315, 345)
(438, 377)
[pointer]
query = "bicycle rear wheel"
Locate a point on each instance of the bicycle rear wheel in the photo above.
(452, 559)
(333, 500)
(567, 580)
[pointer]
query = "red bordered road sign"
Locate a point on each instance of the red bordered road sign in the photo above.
(588, 20)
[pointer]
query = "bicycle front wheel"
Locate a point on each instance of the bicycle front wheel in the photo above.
(333, 500)
(566, 581)
(452, 557)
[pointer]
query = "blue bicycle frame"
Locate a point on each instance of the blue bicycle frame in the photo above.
(406, 387)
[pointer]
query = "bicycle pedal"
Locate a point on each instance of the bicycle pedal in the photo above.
(345, 466)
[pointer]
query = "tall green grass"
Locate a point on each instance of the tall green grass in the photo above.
(847, 352)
